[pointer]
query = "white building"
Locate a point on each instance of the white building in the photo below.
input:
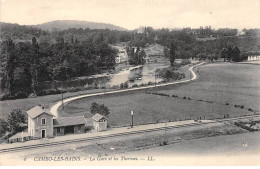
(99, 122)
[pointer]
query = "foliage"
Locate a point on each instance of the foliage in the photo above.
(136, 55)
(3, 127)
(231, 54)
(49, 62)
(169, 74)
(99, 108)
(14, 120)
(32, 56)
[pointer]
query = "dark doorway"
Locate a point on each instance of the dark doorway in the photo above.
(43, 133)
(69, 130)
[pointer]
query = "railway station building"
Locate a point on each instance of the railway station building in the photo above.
(42, 124)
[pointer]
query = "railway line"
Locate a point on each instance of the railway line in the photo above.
(36, 146)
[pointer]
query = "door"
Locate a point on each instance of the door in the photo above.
(43, 133)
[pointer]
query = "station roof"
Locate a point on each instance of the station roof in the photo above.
(98, 117)
(69, 121)
(38, 110)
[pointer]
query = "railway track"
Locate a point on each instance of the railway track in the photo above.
(36, 146)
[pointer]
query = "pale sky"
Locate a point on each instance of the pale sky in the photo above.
(131, 14)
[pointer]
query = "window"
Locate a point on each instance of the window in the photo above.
(58, 130)
(43, 121)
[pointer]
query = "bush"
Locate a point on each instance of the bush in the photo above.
(121, 85)
(88, 128)
(227, 103)
(72, 89)
(136, 85)
(149, 83)
(185, 62)
(242, 107)
(250, 110)
(126, 85)
(189, 98)
(20, 95)
(184, 97)
(5, 97)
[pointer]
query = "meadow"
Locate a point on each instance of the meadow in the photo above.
(222, 88)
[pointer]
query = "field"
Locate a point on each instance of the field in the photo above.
(218, 85)
(24, 104)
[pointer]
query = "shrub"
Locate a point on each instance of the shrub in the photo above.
(126, 85)
(185, 62)
(164, 143)
(235, 105)
(121, 85)
(242, 107)
(184, 97)
(136, 85)
(5, 97)
(227, 103)
(250, 109)
(88, 128)
(189, 98)
(20, 95)
(149, 83)
(72, 89)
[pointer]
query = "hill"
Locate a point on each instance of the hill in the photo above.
(66, 24)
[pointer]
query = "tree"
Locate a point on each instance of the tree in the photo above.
(172, 53)
(8, 59)
(224, 53)
(34, 64)
(14, 120)
(166, 52)
(236, 54)
(99, 108)
(3, 127)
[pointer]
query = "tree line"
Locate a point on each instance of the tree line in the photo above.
(30, 56)
(25, 64)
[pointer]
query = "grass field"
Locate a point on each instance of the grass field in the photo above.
(24, 104)
(235, 84)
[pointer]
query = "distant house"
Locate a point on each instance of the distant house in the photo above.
(99, 122)
(67, 125)
(40, 122)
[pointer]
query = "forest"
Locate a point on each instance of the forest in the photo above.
(30, 55)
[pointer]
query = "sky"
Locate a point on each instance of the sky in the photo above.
(132, 14)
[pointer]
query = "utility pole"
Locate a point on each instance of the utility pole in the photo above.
(132, 114)
(155, 78)
(62, 100)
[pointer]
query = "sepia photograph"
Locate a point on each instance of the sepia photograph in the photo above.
(129, 82)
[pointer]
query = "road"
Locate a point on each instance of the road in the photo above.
(55, 107)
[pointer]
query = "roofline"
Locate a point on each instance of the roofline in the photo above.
(70, 125)
(101, 118)
(41, 114)
(67, 125)
(70, 116)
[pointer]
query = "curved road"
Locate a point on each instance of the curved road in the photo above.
(54, 108)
